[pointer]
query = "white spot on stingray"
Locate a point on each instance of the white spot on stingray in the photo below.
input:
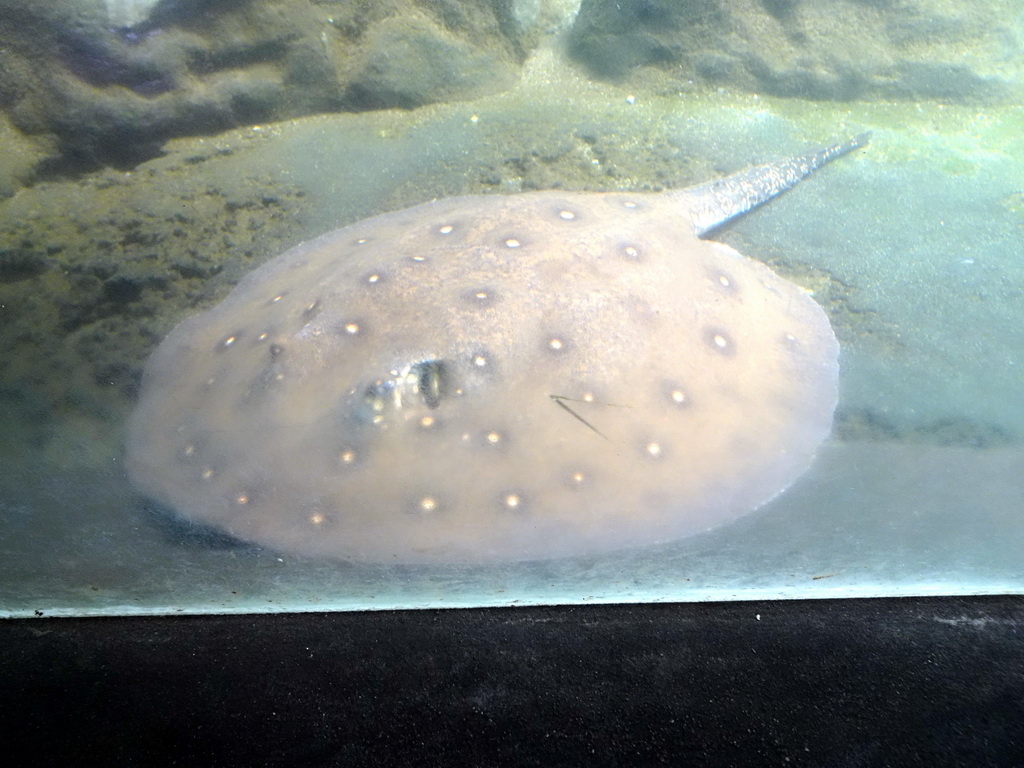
(719, 340)
(511, 500)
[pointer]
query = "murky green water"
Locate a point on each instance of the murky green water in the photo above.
(913, 247)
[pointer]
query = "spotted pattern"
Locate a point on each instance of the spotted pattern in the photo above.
(489, 378)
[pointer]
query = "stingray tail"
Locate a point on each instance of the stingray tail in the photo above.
(716, 202)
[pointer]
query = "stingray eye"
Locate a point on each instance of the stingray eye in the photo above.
(410, 388)
(431, 381)
(375, 401)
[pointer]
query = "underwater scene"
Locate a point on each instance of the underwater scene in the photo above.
(318, 305)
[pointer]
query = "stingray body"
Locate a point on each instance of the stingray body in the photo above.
(496, 378)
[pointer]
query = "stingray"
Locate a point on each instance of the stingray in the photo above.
(496, 378)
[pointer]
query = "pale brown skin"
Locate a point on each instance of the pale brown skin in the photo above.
(490, 378)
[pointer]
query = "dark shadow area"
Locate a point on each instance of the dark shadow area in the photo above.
(853, 683)
(177, 531)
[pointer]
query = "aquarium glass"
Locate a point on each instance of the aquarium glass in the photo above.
(155, 154)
